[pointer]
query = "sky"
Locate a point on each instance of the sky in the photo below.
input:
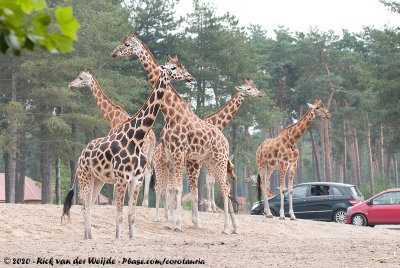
(300, 15)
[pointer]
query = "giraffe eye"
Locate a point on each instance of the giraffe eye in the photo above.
(80, 78)
(317, 108)
(173, 68)
(127, 44)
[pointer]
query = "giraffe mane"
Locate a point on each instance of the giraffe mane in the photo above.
(211, 115)
(292, 125)
(108, 99)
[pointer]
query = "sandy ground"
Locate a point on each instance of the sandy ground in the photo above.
(30, 232)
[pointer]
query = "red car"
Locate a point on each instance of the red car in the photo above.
(383, 208)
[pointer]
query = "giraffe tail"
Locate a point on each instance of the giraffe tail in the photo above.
(229, 169)
(153, 179)
(67, 204)
(259, 187)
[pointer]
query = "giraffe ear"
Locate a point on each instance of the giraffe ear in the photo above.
(175, 56)
(169, 57)
(312, 106)
(231, 157)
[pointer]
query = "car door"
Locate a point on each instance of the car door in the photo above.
(299, 199)
(385, 208)
(317, 205)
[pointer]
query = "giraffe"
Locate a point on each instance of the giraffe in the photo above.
(116, 116)
(221, 119)
(118, 158)
(160, 171)
(186, 140)
(280, 153)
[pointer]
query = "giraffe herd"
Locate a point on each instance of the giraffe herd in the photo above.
(124, 156)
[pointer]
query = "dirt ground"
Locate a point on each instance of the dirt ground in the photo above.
(34, 234)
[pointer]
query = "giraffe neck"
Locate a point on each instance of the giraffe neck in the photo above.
(114, 114)
(139, 125)
(223, 116)
(150, 65)
(295, 131)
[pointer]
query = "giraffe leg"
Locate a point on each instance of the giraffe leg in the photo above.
(292, 171)
(209, 179)
(282, 175)
(193, 172)
(233, 217)
(219, 172)
(213, 206)
(147, 176)
(86, 195)
(265, 186)
(98, 184)
(120, 189)
(169, 202)
(134, 188)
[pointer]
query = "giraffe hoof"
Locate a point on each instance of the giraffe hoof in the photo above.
(282, 218)
(293, 218)
(234, 232)
(167, 228)
(198, 226)
(157, 220)
(225, 233)
(178, 230)
(269, 216)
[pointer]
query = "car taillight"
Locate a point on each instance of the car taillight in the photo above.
(353, 202)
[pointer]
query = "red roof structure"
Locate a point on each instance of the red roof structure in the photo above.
(33, 191)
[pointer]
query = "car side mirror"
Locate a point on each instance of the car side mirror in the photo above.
(369, 203)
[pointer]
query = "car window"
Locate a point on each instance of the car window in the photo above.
(298, 192)
(391, 198)
(318, 190)
(355, 192)
(335, 191)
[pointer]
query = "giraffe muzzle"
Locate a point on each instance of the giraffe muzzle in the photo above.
(189, 78)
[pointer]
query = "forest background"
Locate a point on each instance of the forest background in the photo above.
(45, 125)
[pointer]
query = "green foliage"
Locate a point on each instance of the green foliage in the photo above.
(19, 30)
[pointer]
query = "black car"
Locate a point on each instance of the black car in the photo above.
(324, 201)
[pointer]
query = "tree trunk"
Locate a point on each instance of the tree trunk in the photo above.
(45, 170)
(20, 181)
(381, 166)
(344, 179)
(357, 155)
(328, 160)
(58, 180)
(323, 151)
(370, 163)
(73, 166)
(6, 175)
(299, 171)
(395, 171)
(315, 155)
(387, 171)
(13, 142)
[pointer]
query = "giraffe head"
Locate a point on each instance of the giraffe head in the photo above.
(249, 90)
(84, 79)
(130, 45)
(318, 109)
(175, 70)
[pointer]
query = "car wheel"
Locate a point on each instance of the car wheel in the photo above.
(339, 216)
(359, 220)
(371, 225)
